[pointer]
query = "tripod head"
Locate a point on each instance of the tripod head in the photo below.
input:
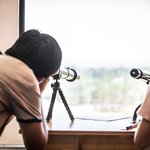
(56, 84)
(56, 77)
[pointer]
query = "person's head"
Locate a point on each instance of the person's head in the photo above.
(39, 51)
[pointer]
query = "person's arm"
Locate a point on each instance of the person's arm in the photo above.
(42, 86)
(142, 135)
(34, 135)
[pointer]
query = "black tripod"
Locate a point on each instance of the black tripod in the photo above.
(56, 87)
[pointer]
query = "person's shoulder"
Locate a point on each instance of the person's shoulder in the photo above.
(15, 67)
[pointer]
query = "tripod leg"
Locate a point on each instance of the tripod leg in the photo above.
(49, 115)
(66, 105)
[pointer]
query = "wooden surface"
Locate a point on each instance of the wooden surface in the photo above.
(90, 133)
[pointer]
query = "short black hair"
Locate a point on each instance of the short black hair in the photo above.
(39, 51)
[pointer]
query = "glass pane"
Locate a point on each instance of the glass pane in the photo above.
(102, 41)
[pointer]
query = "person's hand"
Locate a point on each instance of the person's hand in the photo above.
(43, 84)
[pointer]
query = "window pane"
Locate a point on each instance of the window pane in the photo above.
(103, 41)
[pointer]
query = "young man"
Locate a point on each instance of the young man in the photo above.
(25, 69)
(142, 134)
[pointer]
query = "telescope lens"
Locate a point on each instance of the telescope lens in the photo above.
(136, 73)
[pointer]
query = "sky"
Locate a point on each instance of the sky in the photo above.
(95, 33)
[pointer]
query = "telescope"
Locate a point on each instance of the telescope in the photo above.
(139, 74)
(68, 73)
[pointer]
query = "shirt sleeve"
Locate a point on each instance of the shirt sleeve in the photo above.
(27, 108)
(24, 100)
(144, 110)
(20, 91)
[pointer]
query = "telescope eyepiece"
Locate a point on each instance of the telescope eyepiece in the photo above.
(136, 73)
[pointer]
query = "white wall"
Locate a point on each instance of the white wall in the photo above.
(9, 31)
(9, 23)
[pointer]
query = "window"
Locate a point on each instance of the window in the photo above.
(103, 41)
